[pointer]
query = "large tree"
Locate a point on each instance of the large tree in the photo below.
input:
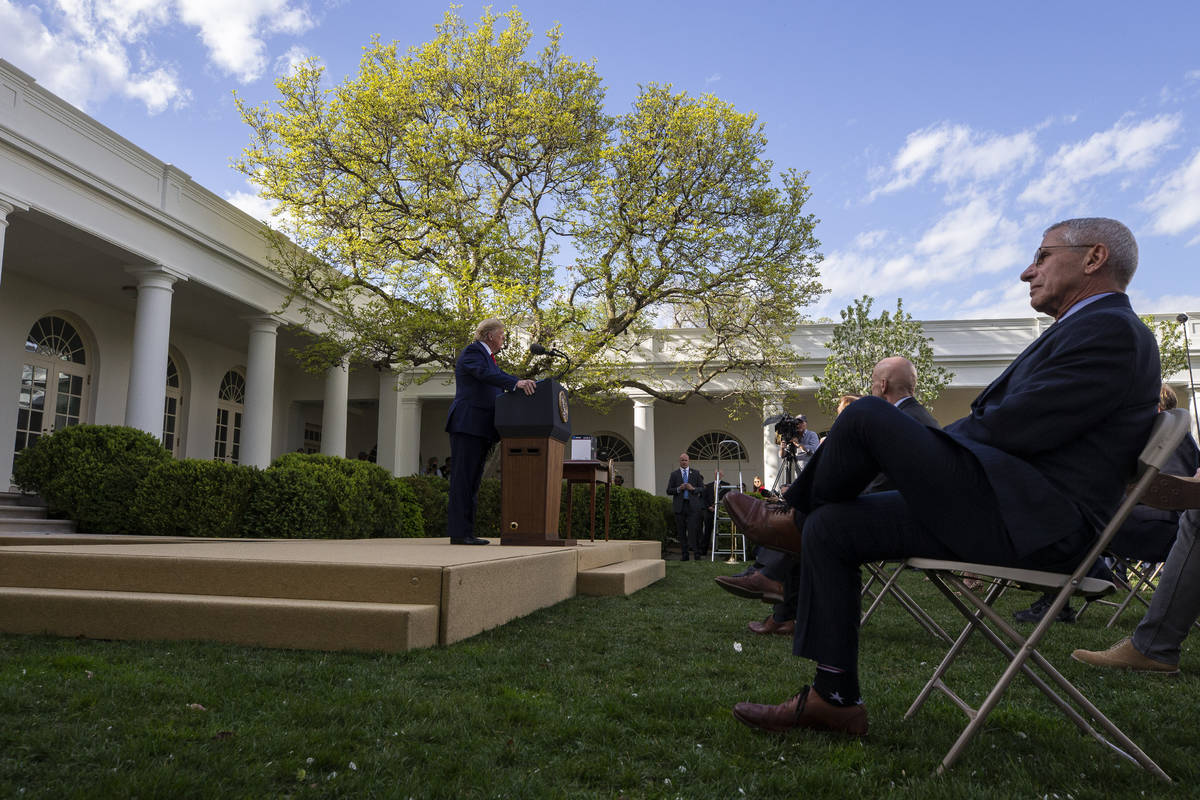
(1172, 355)
(469, 179)
(860, 341)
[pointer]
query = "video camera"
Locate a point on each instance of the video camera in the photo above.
(787, 427)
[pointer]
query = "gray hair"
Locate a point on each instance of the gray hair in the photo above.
(1122, 247)
(487, 328)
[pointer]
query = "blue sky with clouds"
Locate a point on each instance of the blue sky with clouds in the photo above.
(941, 137)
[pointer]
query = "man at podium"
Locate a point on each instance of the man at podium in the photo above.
(471, 424)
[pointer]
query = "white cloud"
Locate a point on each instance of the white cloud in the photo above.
(956, 155)
(1176, 203)
(1125, 147)
(716, 76)
(85, 66)
(234, 30)
(257, 207)
(287, 63)
(88, 50)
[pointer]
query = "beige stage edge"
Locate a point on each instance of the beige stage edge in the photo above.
(366, 594)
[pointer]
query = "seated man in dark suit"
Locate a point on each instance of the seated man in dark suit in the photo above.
(894, 379)
(1147, 535)
(1026, 479)
(471, 424)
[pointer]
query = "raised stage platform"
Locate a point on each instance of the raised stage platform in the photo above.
(366, 594)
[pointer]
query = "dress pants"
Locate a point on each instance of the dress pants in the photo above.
(1176, 602)
(943, 507)
(688, 525)
(468, 454)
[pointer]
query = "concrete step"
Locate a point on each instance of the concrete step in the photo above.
(22, 512)
(21, 499)
(35, 525)
(256, 621)
(622, 578)
(232, 568)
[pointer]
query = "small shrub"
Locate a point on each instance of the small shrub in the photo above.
(363, 500)
(297, 500)
(487, 512)
(432, 493)
(195, 498)
(91, 473)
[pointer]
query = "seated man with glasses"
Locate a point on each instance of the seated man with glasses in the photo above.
(1026, 479)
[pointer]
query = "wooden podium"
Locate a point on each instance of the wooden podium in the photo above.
(534, 430)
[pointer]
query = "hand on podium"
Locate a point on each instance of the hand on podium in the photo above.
(527, 386)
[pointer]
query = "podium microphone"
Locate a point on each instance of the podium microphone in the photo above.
(539, 350)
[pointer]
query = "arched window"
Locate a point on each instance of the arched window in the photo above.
(172, 408)
(231, 402)
(56, 338)
(708, 447)
(53, 379)
(610, 445)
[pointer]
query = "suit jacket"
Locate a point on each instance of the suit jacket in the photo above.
(676, 480)
(914, 409)
(477, 383)
(1066, 421)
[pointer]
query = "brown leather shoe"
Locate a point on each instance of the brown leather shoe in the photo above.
(755, 586)
(769, 524)
(805, 710)
(769, 625)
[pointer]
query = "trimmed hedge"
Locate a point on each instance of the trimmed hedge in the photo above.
(314, 496)
(195, 498)
(432, 493)
(112, 479)
(90, 473)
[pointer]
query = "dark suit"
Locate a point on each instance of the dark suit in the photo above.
(687, 509)
(787, 570)
(471, 425)
(1024, 480)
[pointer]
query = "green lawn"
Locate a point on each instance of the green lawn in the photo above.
(596, 697)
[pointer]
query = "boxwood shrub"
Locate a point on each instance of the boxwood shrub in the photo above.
(432, 493)
(90, 473)
(326, 497)
(195, 498)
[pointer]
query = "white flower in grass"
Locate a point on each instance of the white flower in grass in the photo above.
(682, 768)
(737, 647)
(353, 766)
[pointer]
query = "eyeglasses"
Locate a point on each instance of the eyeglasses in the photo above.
(1041, 254)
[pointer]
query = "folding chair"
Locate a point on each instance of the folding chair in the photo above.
(1169, 429)
(877, 573)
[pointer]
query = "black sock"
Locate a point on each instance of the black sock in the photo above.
(837, 687)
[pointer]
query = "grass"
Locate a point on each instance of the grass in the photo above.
(596, 697)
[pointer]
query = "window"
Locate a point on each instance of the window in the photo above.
(231, 403)
(312, 438)
(710, 446)
(172, 409)
(53, 380)
(610, 445)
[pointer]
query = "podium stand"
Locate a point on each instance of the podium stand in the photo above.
(533, 430)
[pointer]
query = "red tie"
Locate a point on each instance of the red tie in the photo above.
(493, 355)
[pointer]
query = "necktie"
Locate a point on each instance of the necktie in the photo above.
(685, 480)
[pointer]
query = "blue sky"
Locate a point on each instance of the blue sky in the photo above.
(941, 138)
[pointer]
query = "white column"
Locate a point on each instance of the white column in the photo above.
(408, 436)
(7, 206)
(5, 210)
(148, 360)
(257, 423)
(385, 443)
(644, 472)
(771, 406)
(334, 409)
